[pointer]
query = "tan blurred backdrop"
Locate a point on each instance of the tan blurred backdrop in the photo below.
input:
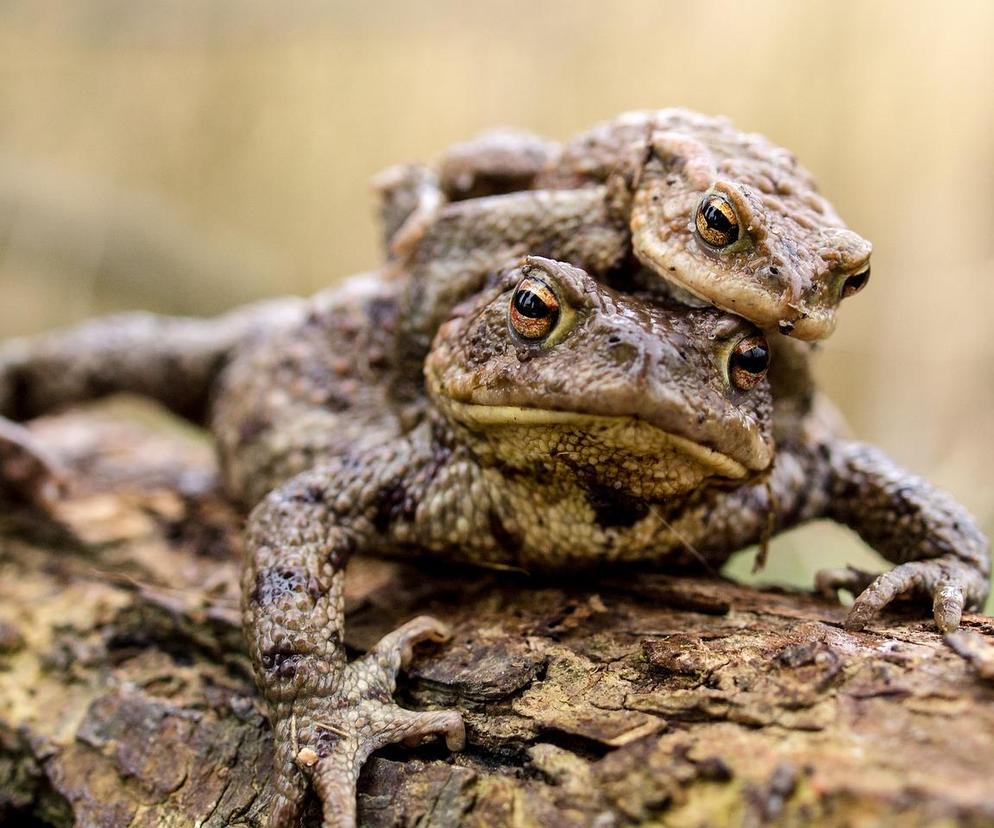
(188, 155)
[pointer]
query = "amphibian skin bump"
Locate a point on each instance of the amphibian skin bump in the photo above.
(477, 402)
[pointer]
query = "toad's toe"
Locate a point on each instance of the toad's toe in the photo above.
(952, 585)
(828, 582)
(326, 738)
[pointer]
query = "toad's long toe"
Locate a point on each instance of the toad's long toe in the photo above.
(326, 738)
(828, 582)
(396, 649)
(952, 585)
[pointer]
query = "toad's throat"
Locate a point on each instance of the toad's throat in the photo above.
(628, 432)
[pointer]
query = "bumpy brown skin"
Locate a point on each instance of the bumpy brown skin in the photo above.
(445, 256)
(290, 401)
(653, 167)
(623, 192)
(444, 489)
(617, 439)
(648, 171)
(172, 360)
(529, 457)
(497, 161)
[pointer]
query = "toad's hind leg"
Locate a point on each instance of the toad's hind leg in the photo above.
(172, 360)
(328, 715)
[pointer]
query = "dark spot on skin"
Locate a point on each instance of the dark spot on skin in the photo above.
(623, 353)
(325, 742)
(311, 494)
(377, 357)
(341, 552)
(613, 509)
(336, 402)
(281, 661)
(506, 539)
(392, 503)
(273, 585)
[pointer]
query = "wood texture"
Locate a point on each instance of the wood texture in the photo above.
(126, 700)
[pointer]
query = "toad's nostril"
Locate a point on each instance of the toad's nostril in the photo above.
(621, 353)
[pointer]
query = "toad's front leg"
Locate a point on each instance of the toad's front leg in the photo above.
(939, 550)
(328, 715)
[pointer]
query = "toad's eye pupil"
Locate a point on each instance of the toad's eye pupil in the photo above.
(754, 360)
(717, 223)
(717, 220)
(749, 362)
(534, 309)
(531, 305)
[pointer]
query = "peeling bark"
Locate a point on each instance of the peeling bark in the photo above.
(126, 699)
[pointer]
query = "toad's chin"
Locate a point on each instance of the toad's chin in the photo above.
(627, 452)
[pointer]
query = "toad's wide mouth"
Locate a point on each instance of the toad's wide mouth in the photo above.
(626, 433)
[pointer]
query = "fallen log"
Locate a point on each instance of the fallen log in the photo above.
(126, 698)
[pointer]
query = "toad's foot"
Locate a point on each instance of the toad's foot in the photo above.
(26, 470)
(324, 738)
(952, 584)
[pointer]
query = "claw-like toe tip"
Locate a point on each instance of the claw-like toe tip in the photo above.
(455, 739)
(947, 607)
(856, 620)
(947, 622)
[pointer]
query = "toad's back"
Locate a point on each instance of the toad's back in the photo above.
(292, 397)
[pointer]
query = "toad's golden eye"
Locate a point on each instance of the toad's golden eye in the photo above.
(748, 362)
(717, 224)
(855, 283)
(534, 309)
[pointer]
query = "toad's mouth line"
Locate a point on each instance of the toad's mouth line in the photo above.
(799, 321)
(771, 311)
(639, 433)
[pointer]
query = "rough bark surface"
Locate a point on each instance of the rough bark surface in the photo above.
(126, 700)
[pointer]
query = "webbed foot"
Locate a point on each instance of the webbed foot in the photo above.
(27, 472)
(952, 584)
(323, 739)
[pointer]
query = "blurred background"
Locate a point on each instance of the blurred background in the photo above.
(189, 155)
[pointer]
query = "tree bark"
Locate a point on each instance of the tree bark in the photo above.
(126, 698)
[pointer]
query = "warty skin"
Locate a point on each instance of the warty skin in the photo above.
(635, 187)
(510, 458)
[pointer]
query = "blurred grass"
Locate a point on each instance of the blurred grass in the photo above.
(187, 155)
